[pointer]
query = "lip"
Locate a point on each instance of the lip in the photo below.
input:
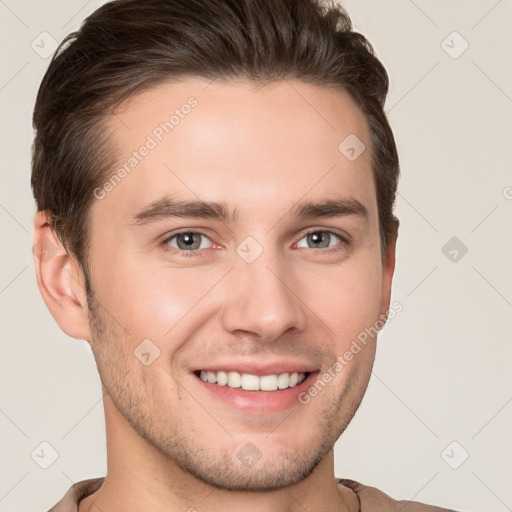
(260, 402)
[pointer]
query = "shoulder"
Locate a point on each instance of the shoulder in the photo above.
(78, 491)
(374, 500)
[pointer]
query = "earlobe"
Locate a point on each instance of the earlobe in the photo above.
(60, 280)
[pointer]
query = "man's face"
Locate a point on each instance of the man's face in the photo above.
(266, 293)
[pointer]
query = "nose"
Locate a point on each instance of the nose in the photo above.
(261, 299)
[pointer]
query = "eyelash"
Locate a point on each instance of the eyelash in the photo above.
(199, 252)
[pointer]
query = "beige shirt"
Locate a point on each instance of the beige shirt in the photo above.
(371, 499)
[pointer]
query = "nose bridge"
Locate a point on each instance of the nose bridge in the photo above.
(259, 295)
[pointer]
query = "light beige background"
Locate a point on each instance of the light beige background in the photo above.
(442, 372)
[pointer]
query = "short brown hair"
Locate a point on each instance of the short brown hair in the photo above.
(128, 45)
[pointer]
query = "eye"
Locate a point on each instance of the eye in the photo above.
(187, 242)
(321, 239)
(191, 243)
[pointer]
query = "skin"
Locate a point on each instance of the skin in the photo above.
(170, 445)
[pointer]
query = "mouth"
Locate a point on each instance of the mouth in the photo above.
(251, 393)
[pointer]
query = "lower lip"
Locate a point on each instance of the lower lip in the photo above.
(259, 401)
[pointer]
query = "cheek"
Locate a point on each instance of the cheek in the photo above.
(346, 299)
(156, 301)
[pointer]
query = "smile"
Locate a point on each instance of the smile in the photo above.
(265, 393)
(249, 382)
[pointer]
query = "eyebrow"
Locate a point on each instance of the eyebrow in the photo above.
(174, 208)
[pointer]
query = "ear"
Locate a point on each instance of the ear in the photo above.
(388, 270)
(61, 280)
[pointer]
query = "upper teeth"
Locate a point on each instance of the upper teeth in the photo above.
(253, 382)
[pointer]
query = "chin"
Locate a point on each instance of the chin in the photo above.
(268, 473)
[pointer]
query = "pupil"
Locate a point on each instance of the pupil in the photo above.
(188, 239)
(316, 237)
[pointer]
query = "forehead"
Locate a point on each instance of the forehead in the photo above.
(237, 142)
